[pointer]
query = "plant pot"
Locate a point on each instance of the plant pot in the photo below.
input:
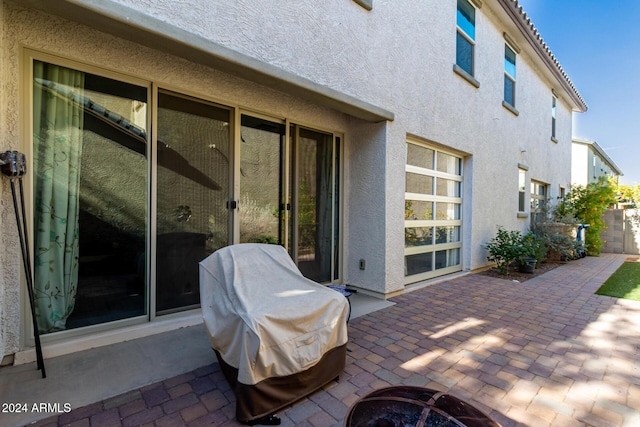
(528, 265)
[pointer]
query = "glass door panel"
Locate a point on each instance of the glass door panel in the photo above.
(193, 190)
(288, 193)
(313, 193)
(261, 211)
(90, 198)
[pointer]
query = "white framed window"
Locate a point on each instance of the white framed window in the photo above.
(465, 36)
(433, 210)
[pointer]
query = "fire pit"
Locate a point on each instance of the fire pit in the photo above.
(407, 406)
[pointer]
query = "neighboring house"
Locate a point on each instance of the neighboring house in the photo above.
(380, 145)
(589, 163)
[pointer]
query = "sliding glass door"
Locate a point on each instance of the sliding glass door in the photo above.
(191, 197)
(129, 195)
(313, 195)
(262, 206)
(90, 150)
(289, 193)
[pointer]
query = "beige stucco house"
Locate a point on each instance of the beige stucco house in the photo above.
(381, 142)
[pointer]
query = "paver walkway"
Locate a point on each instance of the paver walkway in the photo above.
(546, 352)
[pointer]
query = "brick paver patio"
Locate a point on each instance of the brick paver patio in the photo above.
(546, 352)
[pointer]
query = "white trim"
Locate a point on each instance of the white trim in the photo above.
(422, 223)
(411, 280)
(415, 250)
(432, 172)
(423, 197)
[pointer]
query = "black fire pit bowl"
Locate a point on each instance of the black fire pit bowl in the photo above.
(407, 406)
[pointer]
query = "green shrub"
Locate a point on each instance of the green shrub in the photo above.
(534, 246)
(565, 248)
(504, 249)
(509, 247)
(265, 238)
(588, 204)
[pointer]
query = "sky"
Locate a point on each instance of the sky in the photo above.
(597, 42)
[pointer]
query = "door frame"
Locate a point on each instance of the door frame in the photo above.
(289, 190)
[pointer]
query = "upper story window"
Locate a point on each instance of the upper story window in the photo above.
(466, 36)
(509, 76)
(554, 102)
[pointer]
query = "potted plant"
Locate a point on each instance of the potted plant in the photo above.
(530, 247)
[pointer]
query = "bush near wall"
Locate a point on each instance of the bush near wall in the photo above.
(588, 204)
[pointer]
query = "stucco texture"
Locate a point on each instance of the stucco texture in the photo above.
(37, 31)
(398, 56)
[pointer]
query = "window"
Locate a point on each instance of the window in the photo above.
(554, 102)
(465, 37)
(522, 186)
(509, 76)
(433, 209)
(538, 200)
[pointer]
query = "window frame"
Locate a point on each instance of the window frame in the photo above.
(522, 190)
(508, 77)
(538, 201)
(435, 249)
(29, 57)
(462, 34)
(554, 109)
(151, 317)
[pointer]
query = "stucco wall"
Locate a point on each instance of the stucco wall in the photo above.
(9, 254)
(399, 57)
(38, 31)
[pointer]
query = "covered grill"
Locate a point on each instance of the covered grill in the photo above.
(278, 336)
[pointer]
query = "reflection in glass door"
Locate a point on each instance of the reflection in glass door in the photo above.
(90, 195)
(261, 213)
(192, 194)
(288, 193)
(313, 201)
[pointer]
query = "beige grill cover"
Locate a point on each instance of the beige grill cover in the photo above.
(263, 316)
